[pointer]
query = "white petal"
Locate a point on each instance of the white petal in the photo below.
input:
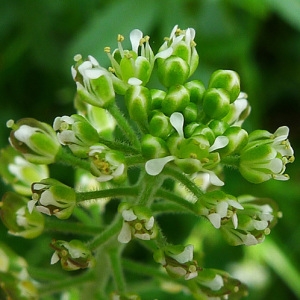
(234, 204)
(185, 256)
(128, 215)
(155, 166)
(125, 235)
(214, 179)
(94, 73)
(214, 284)
(54, 259)
(281, 133)
(235, 221)
(143, 236)
(177, 121)
(220, 142)
(215, 220)
(73, 72)
(104, 178)
(93, 60)
(135, 37)
(43, 210)
(250, 240)
(260, 225)
(31, 205)
(24, 133)
(192, 275)
(134, 81)
(164, 54)
(149, 225)
(221, 208)
(84, 66)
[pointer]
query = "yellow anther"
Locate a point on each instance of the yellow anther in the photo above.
(146, 38)
(192, 268)
(111, 69)
(77, 57)
(279, 214)
(193, 44)
(107, 49)
(120, 38)
(35, 196)
(193, 155)
(10, 123)
(267, 231)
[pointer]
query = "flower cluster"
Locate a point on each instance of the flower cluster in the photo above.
(149, 151)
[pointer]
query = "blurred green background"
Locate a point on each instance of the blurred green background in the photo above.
(260, 39)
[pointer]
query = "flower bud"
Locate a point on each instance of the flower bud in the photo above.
(200, 129)
(238, 139)
(75, 132)
(16, 217)
(177, 98)
(52, 197)
(35, 140)
(107, 164)
(157, 97)
(227, 80)
(172, 71)
(20, 173)
(153, 147)
(138, 103)
(218, 127)
(73, 255)
(160, 125)
(138, 222)
(190, 113)
(196, 89)
(216, 103)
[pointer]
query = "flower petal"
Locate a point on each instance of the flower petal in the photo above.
(135, 37)
(177, 121)
(155, 166)
(125, 235)
(220, 142)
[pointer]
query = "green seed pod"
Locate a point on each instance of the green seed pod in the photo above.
(216, 103)
(196, 89)
(177, 99)
(227, 80)
(138, 102)
(153, 147)
(172, 71)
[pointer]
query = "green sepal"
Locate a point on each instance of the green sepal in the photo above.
(196, 89)
(160, 126)
(153, 147)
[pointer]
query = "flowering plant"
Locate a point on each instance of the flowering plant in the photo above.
(165, 153)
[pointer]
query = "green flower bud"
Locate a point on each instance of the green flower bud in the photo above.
(196, 89)
(37, 141)
(160, 125)
(227, 80)
(172, 71)
(75, 132)
(216, 103)
(157, 97)
(94, 83)
(138, 103)
(218, 127)
(238, 139)
(177, 98)
(107, 164)
(18, 219)
(153, 147)
(52, 197)
(138, 222)
(18, 172)
(190, 113)
(73, 255)
(202, 130)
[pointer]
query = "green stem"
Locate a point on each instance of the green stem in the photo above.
(70, 227)
(180, 203)
(124, 125)
(118, 275)
(67, 158)
(119, 146)
(65, 284)
(113, 192)
(106, 234)
(149, 186)
(182, 178)
(134, 160)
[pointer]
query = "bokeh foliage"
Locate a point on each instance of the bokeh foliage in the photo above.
(260, 39)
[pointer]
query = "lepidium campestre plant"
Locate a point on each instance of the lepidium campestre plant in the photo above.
(164, 154)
